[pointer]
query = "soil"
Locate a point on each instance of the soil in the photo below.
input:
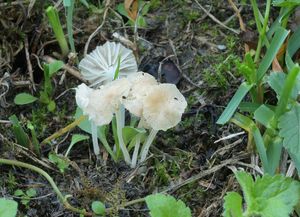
(185, 161)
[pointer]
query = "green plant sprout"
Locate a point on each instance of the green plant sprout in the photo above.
(25, 196)
(274, 196)
(143, 8)
(47, 92)
(55, 23)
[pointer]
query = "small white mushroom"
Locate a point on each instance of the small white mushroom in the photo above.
(93, 105)
(164, 106)
(141, 83)
(100, 65)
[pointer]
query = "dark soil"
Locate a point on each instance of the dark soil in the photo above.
(205, 54)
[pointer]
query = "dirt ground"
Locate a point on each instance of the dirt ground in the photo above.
(185, 162)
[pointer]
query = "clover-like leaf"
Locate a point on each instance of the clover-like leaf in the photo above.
(161, 205)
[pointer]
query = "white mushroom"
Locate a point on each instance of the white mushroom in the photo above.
(141, 84)
(163, 107)
(100, 65)
(91, 102)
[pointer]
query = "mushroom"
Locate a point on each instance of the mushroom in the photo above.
(163, 108)
(91, 103)
(141, 84)
(99, 67)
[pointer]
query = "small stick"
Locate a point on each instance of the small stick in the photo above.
(29, 65)
(66, 67)
(86, 47)
(216, 20)
(64, 130)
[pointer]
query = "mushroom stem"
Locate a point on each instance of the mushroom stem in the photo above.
(147, 144)
(136, 147)
(95, 139)
(120, 124)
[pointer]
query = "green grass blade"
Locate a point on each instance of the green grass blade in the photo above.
(276, 43)
(292, 47)
(21, 137)
(234, 103)
(264, 115)
(54, 21)
(287, 90)
(273, 154)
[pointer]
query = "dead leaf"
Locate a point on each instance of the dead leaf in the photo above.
(131, 7)
(276, 67)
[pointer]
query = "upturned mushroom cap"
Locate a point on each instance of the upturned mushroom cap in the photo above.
(163, 107)
(141, 83)
(100, 65)
(93, 105)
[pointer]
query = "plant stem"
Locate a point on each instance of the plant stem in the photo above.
(65, 129)
(60, 196)
(120, 117)
(95, 139)
(136, 147)
(147, 144)
(262, 33)
(57, 29)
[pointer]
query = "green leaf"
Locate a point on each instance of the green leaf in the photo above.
(24, 98)
(76, 138)
(276, 43)
(67, 3)
(292, 47)
(264, 115)
(85, 3)
(161, 205)
(51, 106)
(276, 81)
(286, 3)
(53, 67)
(60, 161)
(234, 103)
(130, 132)
(233, 205)
(268, 196)
(19, 193)
(274, 153)
(21, 137)
(285, 95)
(289, 125)
(8, 208)
(98, 207)
(31, 192)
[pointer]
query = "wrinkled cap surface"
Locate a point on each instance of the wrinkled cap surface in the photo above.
(100, 65)
(141, 84)
(93, 105)
(114, 92)
(163, 107)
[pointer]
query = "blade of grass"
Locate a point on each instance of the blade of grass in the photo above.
(277, 41)
(234, 103)
(54, 21)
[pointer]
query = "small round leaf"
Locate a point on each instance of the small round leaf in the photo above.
(24, 98)
(98, 207)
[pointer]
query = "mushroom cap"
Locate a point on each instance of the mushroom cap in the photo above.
(100, 65)
(112, 93)
(93, 105)
(141, 84)
(163, 106)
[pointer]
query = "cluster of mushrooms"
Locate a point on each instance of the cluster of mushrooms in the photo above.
(158, 106)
